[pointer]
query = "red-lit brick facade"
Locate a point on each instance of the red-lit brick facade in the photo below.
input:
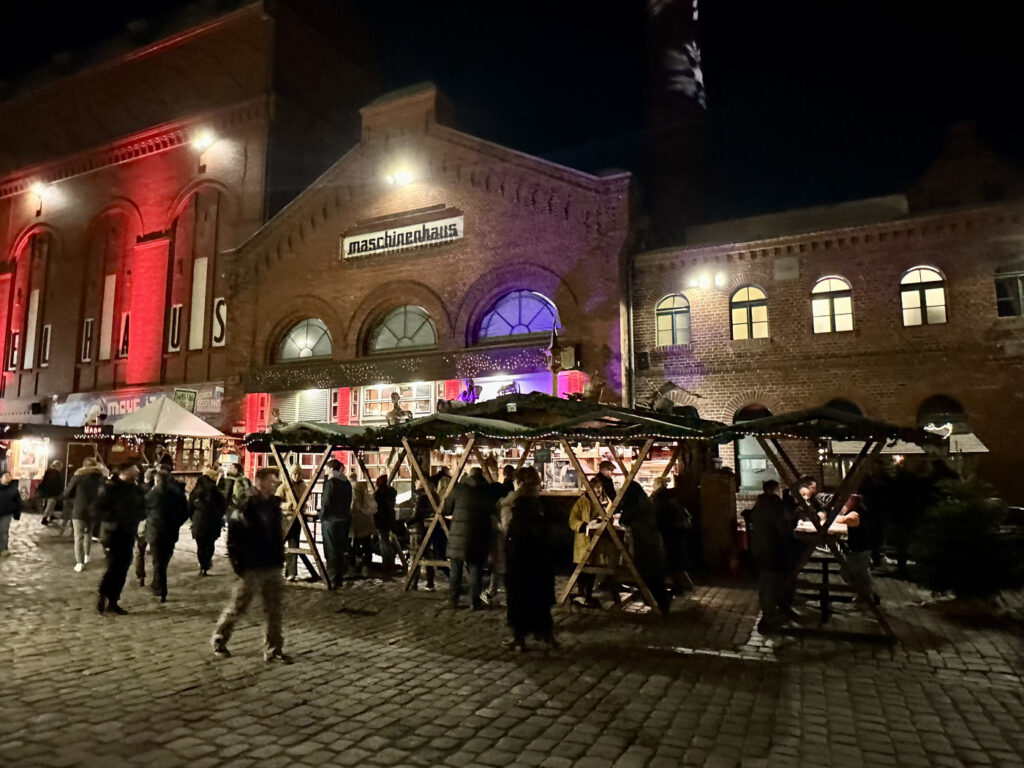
(151, 165)
(888, 370)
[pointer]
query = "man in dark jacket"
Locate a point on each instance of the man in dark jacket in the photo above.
(10, 508)
(166, 512)
(384, 521)
(80, 496)
(49, 490)
(206, 508)
(771, 534)
(120, 507)
(336, 521)
(469, 542)
(256, 549)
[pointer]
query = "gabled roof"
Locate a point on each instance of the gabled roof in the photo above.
(822, 424)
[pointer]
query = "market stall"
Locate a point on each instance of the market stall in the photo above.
(518, 429)
(820, 425)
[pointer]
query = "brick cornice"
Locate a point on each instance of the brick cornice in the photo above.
(153, 141)
(923, 227)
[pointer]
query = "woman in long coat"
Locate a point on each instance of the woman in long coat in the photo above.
(206, 508)
(583, 517)
(530, 565)
(291, 562)
(363, 510)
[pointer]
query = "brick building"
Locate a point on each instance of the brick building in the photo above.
(424, 257)
(912, 317)
(122, 184)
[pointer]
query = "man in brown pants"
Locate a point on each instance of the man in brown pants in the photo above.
(256, 550)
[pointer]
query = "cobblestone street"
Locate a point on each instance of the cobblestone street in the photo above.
(382, 678)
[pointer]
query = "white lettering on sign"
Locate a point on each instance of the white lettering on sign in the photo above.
(428, 233)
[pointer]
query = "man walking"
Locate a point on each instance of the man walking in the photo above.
(80, 497)
(50, 489)
(166, 512)
(336, 521)
(256, 550)
(120, 509)
(469, 543)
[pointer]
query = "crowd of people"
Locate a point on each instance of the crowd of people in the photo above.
(778, 555)
(498, 528)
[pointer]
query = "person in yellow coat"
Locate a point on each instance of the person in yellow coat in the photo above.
(584, 520)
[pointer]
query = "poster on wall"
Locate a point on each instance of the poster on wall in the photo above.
(560, 475)
(186, 398)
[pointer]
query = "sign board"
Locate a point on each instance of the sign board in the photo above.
(542, 456)
(98, 430)
(186, 398)
(511, 408)
(411, 236)
(219, 332)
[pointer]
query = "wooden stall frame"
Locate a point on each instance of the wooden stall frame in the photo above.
(298, 506)
(370, 482)
(435, 502)
(787, 471)
(606, 529)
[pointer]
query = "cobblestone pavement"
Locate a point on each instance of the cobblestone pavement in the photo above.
(384, 678)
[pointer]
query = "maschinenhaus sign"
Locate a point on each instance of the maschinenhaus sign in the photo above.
(385, 240)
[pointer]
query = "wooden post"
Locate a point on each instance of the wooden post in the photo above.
(299, 505)
(866, 456)
(526, 453)
(606, 529)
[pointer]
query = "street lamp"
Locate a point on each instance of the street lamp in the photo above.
(554, 357)
(39, 189)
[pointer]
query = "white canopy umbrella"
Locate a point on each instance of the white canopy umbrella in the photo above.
(163, 416)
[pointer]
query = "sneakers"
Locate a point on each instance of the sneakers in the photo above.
(79, 567)
(117, 609)
(86, 559)
(220, 649)
(277, 657)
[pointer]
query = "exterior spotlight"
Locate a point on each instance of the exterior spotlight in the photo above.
(719, 279)
(693, 282)
(399, 178)
(40, 190)
(203, 141)
(705, 281)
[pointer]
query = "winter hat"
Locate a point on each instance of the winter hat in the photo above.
(212, 473)
(89, 462)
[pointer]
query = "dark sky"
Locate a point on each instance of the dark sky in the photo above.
(808, 102)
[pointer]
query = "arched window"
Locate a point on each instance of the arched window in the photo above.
(405, 327)
(752, 466)
(519, 313)
(832, 305)
(1010, 291)
(672, 320)
(307, 339)
(749, 311)
(923, 296)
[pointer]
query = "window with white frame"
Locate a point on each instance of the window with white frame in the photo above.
(405, 327)
(85, 355)
(672, 320)
(923, 296)
(1010, 291)
(415, 398)
(305, 340)
(832, 305)
(44, 345)
(748, 309)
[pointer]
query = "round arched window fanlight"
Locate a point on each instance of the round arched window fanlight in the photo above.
(307, 339)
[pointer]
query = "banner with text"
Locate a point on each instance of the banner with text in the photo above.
(383, 241)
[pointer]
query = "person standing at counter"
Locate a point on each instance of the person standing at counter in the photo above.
(385, 497)
(336, 522)
(771, 534)
(585, 518)
(291, 561)
(530, 574)
(469, 542)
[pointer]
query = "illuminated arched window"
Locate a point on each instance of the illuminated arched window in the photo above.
(832, 305)
(748, 308)
(672, 320)
(406, 327)
(519, 313)
(923, 296)
(306, 340)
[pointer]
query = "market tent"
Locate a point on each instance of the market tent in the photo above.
(163, 416)
(824, 424)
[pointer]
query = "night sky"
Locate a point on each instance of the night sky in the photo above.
(808, 102)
